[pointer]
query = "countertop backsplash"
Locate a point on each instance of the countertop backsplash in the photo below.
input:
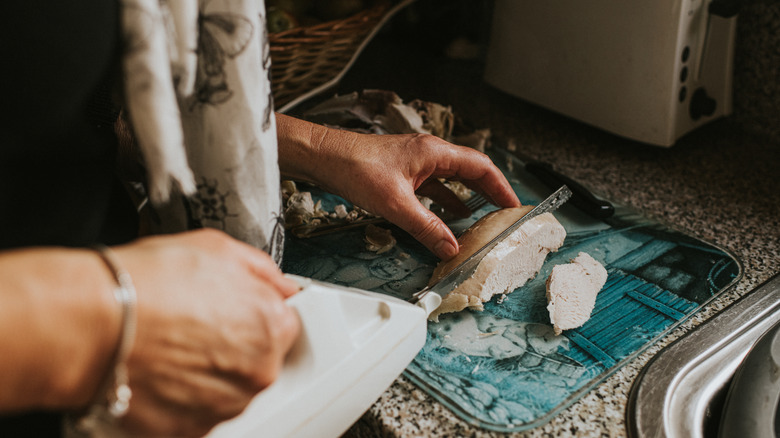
(756, 65)
(757, 68)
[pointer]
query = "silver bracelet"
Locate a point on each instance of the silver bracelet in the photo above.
(117, 386)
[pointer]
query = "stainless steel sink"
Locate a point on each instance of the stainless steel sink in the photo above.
(681, 391)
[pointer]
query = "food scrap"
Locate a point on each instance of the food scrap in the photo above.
(379, 240)
(384, 112)
(305, 218)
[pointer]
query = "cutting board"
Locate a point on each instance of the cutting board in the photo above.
(503, 368)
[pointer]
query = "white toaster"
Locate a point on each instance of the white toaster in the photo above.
(648, 70)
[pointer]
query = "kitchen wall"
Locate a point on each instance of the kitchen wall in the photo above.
(757, 68)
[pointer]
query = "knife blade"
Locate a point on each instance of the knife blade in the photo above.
(429, 298)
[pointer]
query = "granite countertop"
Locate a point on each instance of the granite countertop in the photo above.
(716, 184)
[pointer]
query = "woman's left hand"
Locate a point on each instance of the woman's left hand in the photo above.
(384, 173)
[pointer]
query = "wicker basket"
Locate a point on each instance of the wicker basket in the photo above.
(305, 58)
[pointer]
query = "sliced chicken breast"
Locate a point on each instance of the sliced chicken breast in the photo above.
(506, 267)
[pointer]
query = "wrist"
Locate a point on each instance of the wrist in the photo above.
(112, 400)
(309, 152)
(294, 147)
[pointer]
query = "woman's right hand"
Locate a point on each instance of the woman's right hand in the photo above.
(213, 330)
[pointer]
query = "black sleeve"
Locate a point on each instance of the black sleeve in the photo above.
(57, 146)
(57, 183)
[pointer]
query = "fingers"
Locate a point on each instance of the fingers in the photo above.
(478, 173)
(443, 196)
(407, 212)
(259, 263)
(262, 265)
(282, 326)
(467, 165)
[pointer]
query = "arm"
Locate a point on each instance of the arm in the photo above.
(382, 174)
(213, 329)
(60, 324)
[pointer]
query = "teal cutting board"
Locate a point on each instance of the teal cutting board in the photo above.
(503, 368)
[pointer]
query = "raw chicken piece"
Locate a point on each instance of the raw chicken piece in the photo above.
(571, 291)
(509, 265)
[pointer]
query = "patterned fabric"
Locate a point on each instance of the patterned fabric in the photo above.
(200, 102)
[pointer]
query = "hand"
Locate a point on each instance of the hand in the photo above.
(382, 174)
(213, 330)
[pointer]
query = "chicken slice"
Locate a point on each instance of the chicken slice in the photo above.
(572, 290)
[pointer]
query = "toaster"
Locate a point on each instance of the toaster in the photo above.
(647, 70)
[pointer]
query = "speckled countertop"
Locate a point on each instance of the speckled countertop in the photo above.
(717, 184)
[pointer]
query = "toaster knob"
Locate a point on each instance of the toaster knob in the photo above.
(701, 104)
